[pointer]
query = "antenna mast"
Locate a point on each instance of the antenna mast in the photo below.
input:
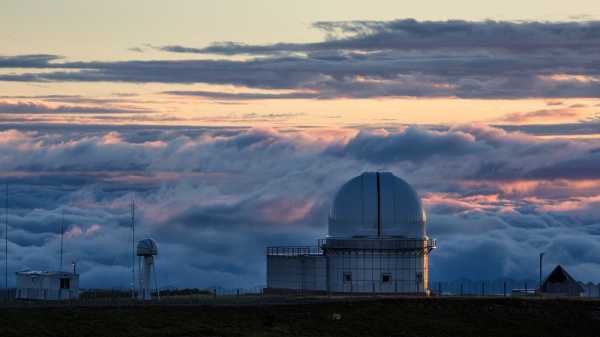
(62, 231)
(133, 248)
(6, 239)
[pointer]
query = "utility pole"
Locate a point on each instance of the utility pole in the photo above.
(133, 249)
(541, 260)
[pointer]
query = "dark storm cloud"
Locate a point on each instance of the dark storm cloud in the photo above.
(580, 167)
(241, 96)
(359, 59)
(217, 197)
(523, 117)
(566, 129)
(414, 144)
(71, 99)
(485, 152)
(28, 61)
(377, 76)
(25, 107)
(520, 37)
(232, 48)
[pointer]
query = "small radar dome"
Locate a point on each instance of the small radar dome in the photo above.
(147, 247)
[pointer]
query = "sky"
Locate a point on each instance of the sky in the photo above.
(233, 123)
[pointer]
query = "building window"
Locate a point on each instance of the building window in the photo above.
(386, 277)
(347, 277)
(65, 283)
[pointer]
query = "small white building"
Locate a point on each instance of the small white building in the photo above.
(377, 243)
(47, 285)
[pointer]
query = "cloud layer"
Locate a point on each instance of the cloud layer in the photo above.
(362, 59)
(29, 107)
(215, 197)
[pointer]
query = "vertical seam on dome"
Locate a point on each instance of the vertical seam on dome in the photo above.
(378, 206)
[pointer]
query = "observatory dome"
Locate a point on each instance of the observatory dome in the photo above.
(147, 247)
(377, 204)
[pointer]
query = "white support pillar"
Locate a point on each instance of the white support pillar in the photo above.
(147, 272)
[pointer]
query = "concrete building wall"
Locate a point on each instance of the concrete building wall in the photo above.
(306, 272)
(590, 289)
(350, 272)
(367, 272)
(46, 286)
(314, 273)
(564, 290)
(47, 294)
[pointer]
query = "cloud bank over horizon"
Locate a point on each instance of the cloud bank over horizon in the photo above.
(214, 198)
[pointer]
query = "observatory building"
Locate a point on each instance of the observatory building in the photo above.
(376, 243)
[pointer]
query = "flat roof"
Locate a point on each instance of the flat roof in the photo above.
(44, 273)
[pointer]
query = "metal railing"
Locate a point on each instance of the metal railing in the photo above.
(391, 244)
(468, 287)
(294, 251)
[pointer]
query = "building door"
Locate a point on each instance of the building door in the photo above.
(65, 283)
(419, 281)
(387, 283)
(347, 282)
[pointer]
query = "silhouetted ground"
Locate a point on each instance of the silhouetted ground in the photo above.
(285, 316)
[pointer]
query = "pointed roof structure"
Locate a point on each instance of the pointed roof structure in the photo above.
(559, 282)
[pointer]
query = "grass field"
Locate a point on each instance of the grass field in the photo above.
(285, 316)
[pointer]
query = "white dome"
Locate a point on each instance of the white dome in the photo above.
(377, 204)
(147, 247)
